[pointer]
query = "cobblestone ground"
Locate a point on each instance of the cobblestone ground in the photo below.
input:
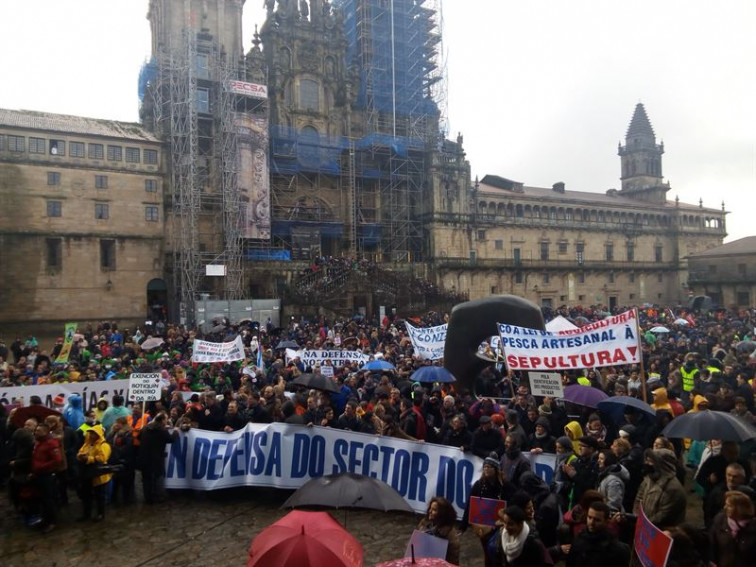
(202, 529)
(192, 529)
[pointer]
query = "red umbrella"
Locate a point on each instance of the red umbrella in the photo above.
(312, 539)
(38, 412)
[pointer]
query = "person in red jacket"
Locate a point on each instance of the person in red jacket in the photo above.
(47, 458)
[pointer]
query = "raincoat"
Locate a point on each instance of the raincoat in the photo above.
(574, 431)
(97, 453)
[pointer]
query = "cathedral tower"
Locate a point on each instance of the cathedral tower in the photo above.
(641, 159)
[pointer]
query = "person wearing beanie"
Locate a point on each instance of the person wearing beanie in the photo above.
(542, 441)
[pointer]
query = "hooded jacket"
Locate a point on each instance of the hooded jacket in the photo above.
(574, 431)
(661, 401)
(97, 452)
(73, 411)
(612, 482)
(660, 494)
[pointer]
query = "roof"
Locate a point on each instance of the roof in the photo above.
(583, 197)
(62, 123)
(745, 245)
(640, 125)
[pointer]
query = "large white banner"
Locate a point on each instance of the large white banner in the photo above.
(287, 456)
(611, 342)
(311, 357)
(203, 351)
(89, 391)
(428, 342)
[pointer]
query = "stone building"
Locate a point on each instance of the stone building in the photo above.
(727, 273)
(81, 221)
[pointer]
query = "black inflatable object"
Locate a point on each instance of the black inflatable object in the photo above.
(473, 322)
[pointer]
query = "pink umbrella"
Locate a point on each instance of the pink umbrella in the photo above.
(416, 562)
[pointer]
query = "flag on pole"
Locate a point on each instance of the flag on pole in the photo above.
(65, 351)
(259, 358)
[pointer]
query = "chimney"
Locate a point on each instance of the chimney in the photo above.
(558, 187)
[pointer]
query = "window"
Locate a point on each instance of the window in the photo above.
(101, 211)
(546, 279)
(96, 151)
(53, 178)
(632, 296)
(494, 290)
(150, 157)
(579, 251)
(742, 269)
(581, 277)
(54, 208)
(562, 247)
(2, 142)
(658, 253)
(581, 298)
(57, 148)
(16, 143)
(76, 149)
(611, 277)
(151, 213)
(518, 277)
(54, 253)
(609, 252)
(499, 244)
(203, 66)
(481, 235)
(744, 298)
(150, 185)
(203, 101)
(132, 155)
(37, 145)
(630, 251)
(101, 181)
(107, 254)
(516, 256)
(115, 153)
(544, 250)
(660, 278)
(631, 277)
(309, 94)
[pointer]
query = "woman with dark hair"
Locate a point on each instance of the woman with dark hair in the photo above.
(612, 479)
(733, 532)
(439, 521)
(515, 545)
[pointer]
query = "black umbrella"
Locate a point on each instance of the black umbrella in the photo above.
(615, 407)
(287, 344)
(348, 490)
(317, 382)
(745, 346)
(707, 424)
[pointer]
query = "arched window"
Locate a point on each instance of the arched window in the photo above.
(309, 94)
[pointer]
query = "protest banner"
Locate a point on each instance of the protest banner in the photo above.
(423, 544)
(485, 511)
(610, 342)
(203, 351)
(546, 384)
(543, 464)
(68, 336)
(428, 342)
(311, 357)
(651, 544)
(145, 387)
(89, 391)
(286, 456)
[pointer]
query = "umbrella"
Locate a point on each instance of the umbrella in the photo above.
(38, 412)
(659, 329)
(317, 382)
(707, 424)
(287, 344)
(580, 321)
(615, 407)
(584, 395)
(348, 490)
(432, 374)
(745, 346)
(152, 342)
(378, 365)
(218, 328)
(300, 538)
(681, 321)
(416, 561)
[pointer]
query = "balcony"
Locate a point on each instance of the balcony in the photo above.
(533, 264)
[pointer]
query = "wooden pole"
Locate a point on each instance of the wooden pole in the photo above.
(640, 353)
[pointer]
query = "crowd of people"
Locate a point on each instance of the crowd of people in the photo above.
(606, 470)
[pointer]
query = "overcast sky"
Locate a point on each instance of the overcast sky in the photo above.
(541, 90)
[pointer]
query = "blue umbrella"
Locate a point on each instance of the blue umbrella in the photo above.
(432, 374)
(378, 365)
(615, 406)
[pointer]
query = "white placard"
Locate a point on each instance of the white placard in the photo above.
(546, 384)
(145, 387)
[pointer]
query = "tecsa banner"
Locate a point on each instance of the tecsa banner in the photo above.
(287, 456)
(611, 342)
(90, 392)
(311, 357)
(203, 351)
(428, 342)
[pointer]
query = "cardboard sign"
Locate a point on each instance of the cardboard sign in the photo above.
(145, 387)
(485, 511)
(422, 544)
(651, 544)
(546, 384)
